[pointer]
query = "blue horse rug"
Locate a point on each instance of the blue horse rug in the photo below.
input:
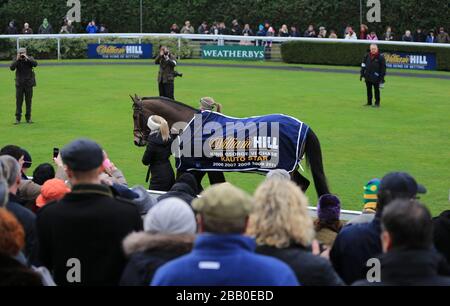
(215, 142)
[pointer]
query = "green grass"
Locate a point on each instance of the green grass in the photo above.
(411, 131)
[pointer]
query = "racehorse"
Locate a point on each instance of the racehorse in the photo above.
(176, 112)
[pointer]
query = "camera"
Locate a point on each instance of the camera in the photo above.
(166, 53)
(177, 74)
(22, 56)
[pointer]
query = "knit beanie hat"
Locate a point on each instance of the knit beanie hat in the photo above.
(171, 216)
(329, 208)
(370, 195)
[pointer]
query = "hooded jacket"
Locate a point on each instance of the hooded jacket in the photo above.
(147, 252)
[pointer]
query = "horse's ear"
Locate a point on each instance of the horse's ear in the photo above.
(134, 101)
(136, 97)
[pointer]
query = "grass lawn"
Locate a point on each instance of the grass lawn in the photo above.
(411, 131)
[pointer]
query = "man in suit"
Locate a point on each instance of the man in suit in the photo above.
(166, 75)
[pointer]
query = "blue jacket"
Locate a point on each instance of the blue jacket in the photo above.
(224, 260)
(353, 247)
(91, 29)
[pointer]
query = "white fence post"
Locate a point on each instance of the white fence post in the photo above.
(59, 48)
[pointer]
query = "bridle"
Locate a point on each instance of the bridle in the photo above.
(139, 109)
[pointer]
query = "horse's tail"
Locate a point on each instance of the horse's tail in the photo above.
(314, 160)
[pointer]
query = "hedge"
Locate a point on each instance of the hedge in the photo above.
(123, 16)
(341, 54)
(77, 48)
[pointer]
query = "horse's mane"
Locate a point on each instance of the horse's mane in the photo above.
(170, 101)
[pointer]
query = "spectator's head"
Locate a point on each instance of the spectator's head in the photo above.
(397, 185)
(12, 239)
(310, 28)
(278, 174)
(246, 26)
(83, 159)
(12, 24)
(406, 225)
(189, 180)
(93, 22)
(280, 216)
(284, 27)
(419, 30)
(374, 49)
(45, 22)
(3, 188)
(267, 25)
(171, 216)
(26, 25)
(350, 30)
(407, 33)
(235, 22)
(11, 172)
(223, 209)
(441, 30)
(43, 173)
(370, 196)
(431, 33)
(69, 22)
(52, 190)
(187, 23)
(144, 202)
(293, 29)
(364, 28)
(158, 124)
(13, 151)
(27, 161)
(329, 208)
(261, 27)
(174, 26)
(388, 29)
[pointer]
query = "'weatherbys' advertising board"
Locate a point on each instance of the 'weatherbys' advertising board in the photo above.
(120, 51)
(411, 61)
(246, 53)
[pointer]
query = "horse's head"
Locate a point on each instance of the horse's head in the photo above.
(140, 130)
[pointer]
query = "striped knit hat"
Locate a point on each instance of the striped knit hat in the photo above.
(370, 195)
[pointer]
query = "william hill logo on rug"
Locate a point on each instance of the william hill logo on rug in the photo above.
(120, 51)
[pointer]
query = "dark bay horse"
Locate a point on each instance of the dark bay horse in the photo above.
(175, 112)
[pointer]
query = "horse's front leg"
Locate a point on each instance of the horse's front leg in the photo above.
(216, 178)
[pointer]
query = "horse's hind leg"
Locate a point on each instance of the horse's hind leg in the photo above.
(216, 178)
(300, 180)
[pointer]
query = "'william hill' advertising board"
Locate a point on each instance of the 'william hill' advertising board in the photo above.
(414, 61)
(120, 51)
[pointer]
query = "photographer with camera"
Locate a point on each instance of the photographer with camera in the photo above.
(167, 73)
(25, 81)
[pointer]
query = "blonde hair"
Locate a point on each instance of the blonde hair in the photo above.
(163, 126)
(280, 215)
(209, 103)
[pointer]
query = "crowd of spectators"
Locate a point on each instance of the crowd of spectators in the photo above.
(81, 208)
(266, 29)
(437, 35)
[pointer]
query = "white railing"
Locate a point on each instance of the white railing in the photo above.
(346, 215)
(219, 39)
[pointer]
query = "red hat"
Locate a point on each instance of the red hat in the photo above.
(52, 190)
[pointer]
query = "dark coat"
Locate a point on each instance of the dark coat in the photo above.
(28, 221)
(311, 270)
(157, 156)
(24, 72)
(13, 273)
(88, 224)
(373, 70)
(441, 234)
(354, 245)
(148, 252)
(166, 72)
(181, 191)
(410, 268)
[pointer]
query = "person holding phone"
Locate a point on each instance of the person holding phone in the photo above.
(25, 81)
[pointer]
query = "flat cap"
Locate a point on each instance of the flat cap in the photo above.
(223, 202)
(82, 155)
